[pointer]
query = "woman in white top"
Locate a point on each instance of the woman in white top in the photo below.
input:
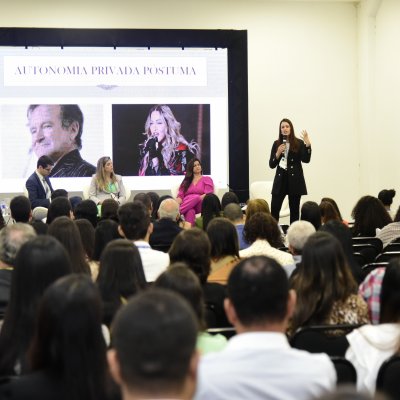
(106, 184)
(371, 345)
(262, 231)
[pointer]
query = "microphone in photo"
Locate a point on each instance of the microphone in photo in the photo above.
(284, 142)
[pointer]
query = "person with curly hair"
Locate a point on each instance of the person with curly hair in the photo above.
(194, 187)
(264, 236)
(369, 214)
(165, 150)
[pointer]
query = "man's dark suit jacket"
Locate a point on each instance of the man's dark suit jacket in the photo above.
(37, 195)
(164, 233)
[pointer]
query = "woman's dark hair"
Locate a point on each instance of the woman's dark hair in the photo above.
(228, 198)
(109, 209)
(263, 226)
(369, 213)
(333, 202)
(120, 276)
(193, 247)
(188, 179)
(86, 232)
(255, 206)
(223, 238)
(386, 196)
(105, 232)
(294, 145)
(343, 233)
(323, 278)
(68, 339)
(328, 212)
(390, 293)
(210, 208)
(310, 212)
(2, 222)
(67, 233)
(87, 209)
(39, 262)
(59, 207)
(180, 279)
(154, 201)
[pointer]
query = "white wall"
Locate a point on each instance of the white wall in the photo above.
(303, 64)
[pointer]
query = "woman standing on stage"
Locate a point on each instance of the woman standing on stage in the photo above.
(287, 154)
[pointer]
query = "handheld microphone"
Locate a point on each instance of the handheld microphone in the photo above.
(284, 141)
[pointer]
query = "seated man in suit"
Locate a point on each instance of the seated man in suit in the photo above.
(38, 184)
(166, 228)
(258, 363)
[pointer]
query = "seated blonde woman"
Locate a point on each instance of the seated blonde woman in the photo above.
(106, 184)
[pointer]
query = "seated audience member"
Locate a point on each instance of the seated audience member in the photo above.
(109, 210)
(39, 262)
(336, 207)
(68, 352)
(386, 197)
(371, 345)
(328, 212)
(67, 233)
(105, 232)
(258, 361)
(12, 237)
(391, 231)
(40, 227)
(135, 225)
(75, 200)
(210, 208)
(370, 291)
(59, 193)
(121, 276)
(297, 235)
(86, 232)
(311, 212)
(2, 221)
(193, 248)
(39, 214)
(146, 200)
(60, 207)
(180, 279)
(229, 198)
(38, 184)
(87, 209)
(369, 214)
(154, 204)
(20, 208)
(166, 227)
(234, 213)
(264, 236)
(224, 249)
(343, 234)
(164, 366)
(326, 290)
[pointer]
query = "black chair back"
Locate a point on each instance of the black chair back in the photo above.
(228, 332)
(374, 241)
(368, 250)
(388, 380)
(345, 371)
(387, 256)
(329, 339)
(360, 259)
(392, 247)
(367, 268)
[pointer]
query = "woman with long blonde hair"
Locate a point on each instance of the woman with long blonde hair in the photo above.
(165, 150)
(106, 184)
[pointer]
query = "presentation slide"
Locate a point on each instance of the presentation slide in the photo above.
(150, 110)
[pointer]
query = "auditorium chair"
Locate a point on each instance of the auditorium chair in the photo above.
(388, 380)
